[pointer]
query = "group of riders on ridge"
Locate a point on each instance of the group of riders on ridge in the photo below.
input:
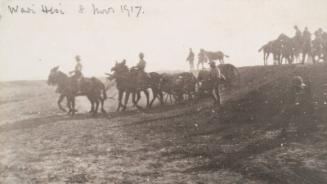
(133, 81)
(297, 48)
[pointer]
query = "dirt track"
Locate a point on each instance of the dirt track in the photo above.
(257, 137)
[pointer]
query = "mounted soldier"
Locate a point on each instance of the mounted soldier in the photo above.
(77, 73)
(140, 71)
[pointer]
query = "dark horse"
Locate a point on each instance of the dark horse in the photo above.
(92, 88)
(128, 82)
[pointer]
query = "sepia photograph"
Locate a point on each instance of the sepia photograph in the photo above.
(163, 92)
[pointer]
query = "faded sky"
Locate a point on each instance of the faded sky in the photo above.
(31, 44)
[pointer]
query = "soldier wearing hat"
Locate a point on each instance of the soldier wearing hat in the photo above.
(141, 64)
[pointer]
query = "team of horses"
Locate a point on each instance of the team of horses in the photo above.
(179, 87)
(291, 50)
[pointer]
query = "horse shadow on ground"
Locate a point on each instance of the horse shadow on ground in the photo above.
(52, 119)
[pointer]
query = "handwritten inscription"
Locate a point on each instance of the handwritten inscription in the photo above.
(92, 9)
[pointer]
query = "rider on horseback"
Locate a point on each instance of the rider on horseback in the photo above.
(140, 67)
(77, 73)
(141, 64)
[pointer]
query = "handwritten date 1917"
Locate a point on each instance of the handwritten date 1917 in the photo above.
(132, 10)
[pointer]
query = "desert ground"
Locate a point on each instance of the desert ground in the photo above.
(256, 137)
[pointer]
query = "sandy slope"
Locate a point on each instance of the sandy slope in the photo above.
(257, 137)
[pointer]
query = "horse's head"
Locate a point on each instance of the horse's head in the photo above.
(120, 67)
(52, 78)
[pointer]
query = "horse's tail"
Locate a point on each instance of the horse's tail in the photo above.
(99, 85)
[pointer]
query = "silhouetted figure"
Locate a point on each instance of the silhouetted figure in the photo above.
(190, 59)
(306, 44)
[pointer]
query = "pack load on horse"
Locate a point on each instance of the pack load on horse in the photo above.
(67, 86)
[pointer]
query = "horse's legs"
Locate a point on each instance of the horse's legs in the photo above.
(155, 94)
(138, 96)
(69, 104)
(166, 99)
(73, 105)
(126, 100)
(314, 59)
(267, 57)
(92, 104)
(135, 99)
(102, 105)
(161, 97)
(96, 100)
(303, 57)
(147, 98)
(120, 96)
(171, 98)
(61, 98)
